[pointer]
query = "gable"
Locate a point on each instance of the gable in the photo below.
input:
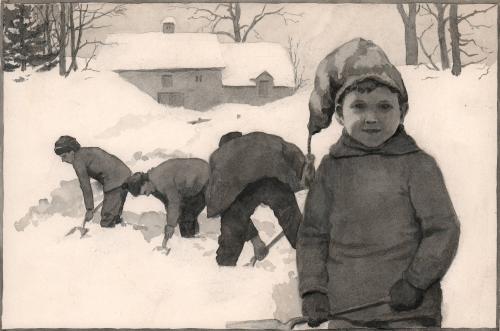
(245, 63)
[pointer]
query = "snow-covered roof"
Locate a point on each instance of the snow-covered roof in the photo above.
(157, 50)
(242, 62)
(168, 19)
(246, 61)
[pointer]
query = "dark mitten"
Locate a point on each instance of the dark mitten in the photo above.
(405, 296)
(315, 306)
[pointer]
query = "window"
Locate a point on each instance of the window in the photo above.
(167, 81)
(198, 78)
(263, 86)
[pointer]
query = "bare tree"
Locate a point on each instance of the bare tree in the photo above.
(231, 14)
(83, 17)
(441, 21)
(459, 43)
(62, 34)
(409, 21)
(298, 67)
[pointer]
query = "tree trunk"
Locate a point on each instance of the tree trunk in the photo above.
(22, 37)
(411, 41)
(62, 41)
(74, 51)
(456, 68)
(236, 22)
(411, 36)
(46, 31)
(443, 47)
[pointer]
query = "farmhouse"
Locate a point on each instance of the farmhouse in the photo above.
(195, 70)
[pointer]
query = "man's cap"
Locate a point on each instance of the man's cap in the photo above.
(66, 144)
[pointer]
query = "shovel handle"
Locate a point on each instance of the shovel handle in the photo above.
(273, 242)
(353, 309)
(93, 211)
(301, 320)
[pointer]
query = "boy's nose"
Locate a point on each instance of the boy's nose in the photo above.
(370, 117)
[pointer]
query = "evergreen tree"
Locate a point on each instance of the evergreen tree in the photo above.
(23, 37)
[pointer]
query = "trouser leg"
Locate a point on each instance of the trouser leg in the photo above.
(112, 207)
(233, 228)
(281, 199)
(190, 210)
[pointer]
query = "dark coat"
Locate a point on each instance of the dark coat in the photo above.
(372, 217)
(247, 159)
(107, 169)
(176, 179)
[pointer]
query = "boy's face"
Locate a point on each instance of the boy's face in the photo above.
(371, 117)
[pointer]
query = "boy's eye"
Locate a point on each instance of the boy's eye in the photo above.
(358, 105)
(385, 106)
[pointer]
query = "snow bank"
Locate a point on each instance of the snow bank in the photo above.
(53, 281)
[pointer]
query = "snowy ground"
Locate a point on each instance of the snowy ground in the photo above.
(114, 278)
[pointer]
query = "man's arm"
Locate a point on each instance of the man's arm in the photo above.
(84, 179)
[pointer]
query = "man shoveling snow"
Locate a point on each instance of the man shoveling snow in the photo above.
(107, 169)
(245, 171)
(180, 185)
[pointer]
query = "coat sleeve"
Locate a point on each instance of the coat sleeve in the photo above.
(438, 221)
(84, 179)
(174, 206)
(314, 237)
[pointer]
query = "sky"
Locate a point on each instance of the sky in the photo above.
(319, 28)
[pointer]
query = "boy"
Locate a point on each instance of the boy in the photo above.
(107, 169)
(180, 185)
(378, 220)
(245, 171)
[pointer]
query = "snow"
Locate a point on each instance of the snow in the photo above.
(168, 19)
(157, 50)
(114, 278)
(246, 61)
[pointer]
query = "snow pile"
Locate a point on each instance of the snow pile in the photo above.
(53, 281)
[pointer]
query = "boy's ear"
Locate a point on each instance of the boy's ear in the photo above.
(339, 118)
(404, 111)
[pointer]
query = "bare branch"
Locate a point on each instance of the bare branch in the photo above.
(467, 54)
(424, 50)
(476, 26)
(475, 12)
(224, 33)
(486, 73)
(90, 58)
(402, 12)
(429, 11)
(465, 42)
(474, 62)
(257, 18)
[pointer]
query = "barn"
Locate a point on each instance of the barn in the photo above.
(195, 70)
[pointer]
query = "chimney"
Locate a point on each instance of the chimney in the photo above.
(168, 25)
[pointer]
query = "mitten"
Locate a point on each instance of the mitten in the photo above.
(315, 306)
(405, 296)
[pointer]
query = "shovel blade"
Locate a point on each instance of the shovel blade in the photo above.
(83, 232)
(268, 324)
(70, 232)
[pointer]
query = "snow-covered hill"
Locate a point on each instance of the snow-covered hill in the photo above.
(114, 278)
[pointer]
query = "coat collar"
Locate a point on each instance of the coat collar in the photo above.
(399, 144)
